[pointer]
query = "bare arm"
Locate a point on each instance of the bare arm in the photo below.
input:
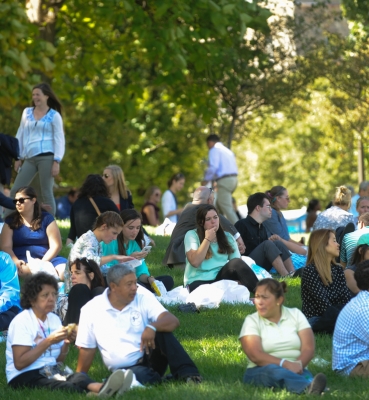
(196, 257)
(351, 281)
(6, 245)
(151, 216)
(174, 212)
(55, 242)
(252, 347)
(307, 346)
(295, 248)
(85, 358)
(105, 259)
(25, 355)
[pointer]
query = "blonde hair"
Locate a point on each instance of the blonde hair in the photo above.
(119, 181)
(317, 254)
(342, 197)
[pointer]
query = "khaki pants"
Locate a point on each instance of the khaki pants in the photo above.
(225, 188)
(361, 369)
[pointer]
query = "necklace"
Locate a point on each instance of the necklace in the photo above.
(40, 323)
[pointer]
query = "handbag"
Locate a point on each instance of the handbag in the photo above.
(94, 205)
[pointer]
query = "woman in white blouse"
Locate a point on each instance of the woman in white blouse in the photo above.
(41, 143)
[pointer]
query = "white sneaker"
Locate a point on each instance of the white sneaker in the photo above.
(112, 385)
(127, 381)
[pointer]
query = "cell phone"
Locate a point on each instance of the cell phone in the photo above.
(147, 248)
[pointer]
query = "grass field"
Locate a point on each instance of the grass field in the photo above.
(211, 338)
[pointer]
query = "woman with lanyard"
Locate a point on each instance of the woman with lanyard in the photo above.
(41, 143)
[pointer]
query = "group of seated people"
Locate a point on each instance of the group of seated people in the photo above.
(96, 280)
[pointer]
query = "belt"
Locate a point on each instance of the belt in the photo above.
(225, 176)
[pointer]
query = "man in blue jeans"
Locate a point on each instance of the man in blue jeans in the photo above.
(132, 331)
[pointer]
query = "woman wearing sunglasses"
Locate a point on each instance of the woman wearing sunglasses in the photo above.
(31, 228)
(117, 187)
(150, 210)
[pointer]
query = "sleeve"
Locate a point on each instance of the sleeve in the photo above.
(20, 332)
(227, 225)
(272, 225)
(85, 335)
(167, 203)
(191, 241)
(131, 206)
(20, 134)
(314, 286)
(301, 321)
(250, 326)
(59, 139)
(47, 219)
(9, 283)
(232, 242)
(152, 307)
(211, 171)
(6, 202)
(72, 230)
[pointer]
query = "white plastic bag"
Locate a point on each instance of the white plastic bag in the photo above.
(233, 292)
(36, 265)
(206, 296)
(177, 295)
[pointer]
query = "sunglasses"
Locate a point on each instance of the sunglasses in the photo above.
(106, 176)
(21, 200)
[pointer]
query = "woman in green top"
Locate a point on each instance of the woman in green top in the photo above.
(212, 254)
(130, 242)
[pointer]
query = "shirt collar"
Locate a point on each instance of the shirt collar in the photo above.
(107, 305)
(253, 221)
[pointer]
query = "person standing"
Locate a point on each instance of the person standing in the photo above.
(41, 143)
(169, 199)
(222, 168)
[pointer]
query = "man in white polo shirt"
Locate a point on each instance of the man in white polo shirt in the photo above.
(132, 331)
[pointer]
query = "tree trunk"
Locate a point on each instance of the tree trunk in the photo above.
(360, 161)
(231, 128)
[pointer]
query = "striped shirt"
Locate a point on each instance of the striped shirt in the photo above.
(349, 244)
(351, 335)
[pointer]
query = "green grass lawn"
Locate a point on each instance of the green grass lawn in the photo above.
(211, 338)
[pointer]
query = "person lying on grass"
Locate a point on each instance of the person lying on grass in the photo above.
(37, 341)
(279, 343)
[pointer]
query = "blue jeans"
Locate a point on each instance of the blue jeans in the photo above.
(275, 376)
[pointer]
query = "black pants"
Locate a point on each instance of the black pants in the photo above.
(6, 317)
(168, 351)
(267, 252)
(77, 382)
(166, 279)
(78, 296)
(235, 270)
(326, 322)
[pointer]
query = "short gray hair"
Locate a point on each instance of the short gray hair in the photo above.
(363, 186)
(117, 272)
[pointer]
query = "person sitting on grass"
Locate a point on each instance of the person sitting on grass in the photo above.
(87, 282)
(361, 253)
(279, 343)
(323, 286)
(9, 291)
(132, 331)
(130, 243)
(264, 252)
(106, 228)
(212, 254)
(37, 341)
(351, 334)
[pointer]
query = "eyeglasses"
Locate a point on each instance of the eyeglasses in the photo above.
(156, 194)
(21, 200)
(46, 295)
(283, 197)
(267, 206)
(106, 176)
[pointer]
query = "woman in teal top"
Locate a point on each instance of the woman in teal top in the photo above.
(212, 254)
(130, 242)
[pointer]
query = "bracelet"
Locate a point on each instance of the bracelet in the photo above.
(208, 240)
(151, 327)
(281, 362)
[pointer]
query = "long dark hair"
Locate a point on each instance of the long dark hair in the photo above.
(359, 254)
(53, 102)
(88, 266)
(175, 178)
(16, 220)
(93, 185)
(224, 246)
(129, 215)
